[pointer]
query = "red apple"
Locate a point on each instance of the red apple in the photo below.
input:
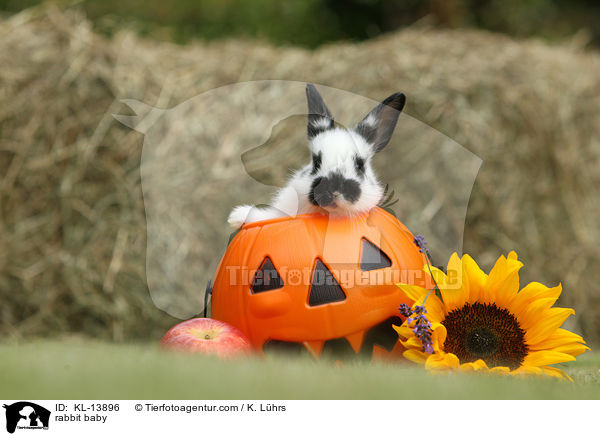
(208, 336)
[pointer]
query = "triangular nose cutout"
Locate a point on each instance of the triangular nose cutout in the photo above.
(266, 278)
(324, 288)
(372, 257)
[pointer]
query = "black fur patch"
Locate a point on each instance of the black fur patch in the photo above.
(315, 130)
(322, 189)
(317, 112)
(359, 166)
(336, 181)
(319, 193)
(351, 190)
(316, 160)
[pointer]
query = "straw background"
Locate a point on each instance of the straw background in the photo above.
(72, 219)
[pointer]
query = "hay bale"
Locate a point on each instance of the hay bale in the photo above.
(72, 224)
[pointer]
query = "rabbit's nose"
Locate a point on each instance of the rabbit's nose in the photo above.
(320, 193)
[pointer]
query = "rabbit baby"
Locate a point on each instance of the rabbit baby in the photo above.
(339, 180)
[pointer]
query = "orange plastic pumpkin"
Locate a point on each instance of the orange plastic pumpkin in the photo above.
(319, 284)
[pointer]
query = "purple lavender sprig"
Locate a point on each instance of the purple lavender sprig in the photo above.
(405, 310)
(421, 327)
(420, 242)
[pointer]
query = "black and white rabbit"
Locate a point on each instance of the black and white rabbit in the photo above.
(339, 180)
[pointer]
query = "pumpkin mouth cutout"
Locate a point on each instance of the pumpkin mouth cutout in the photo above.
(381, 335)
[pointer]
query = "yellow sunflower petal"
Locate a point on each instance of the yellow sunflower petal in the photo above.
(551, 320)
(498, 280)
(436, 311)
(556, 339)
(435, 308)
(534, 313)
(512, 255)
(555, 372)
(533, 291)
(497, 273)
(412, 343)
(574, 349)
(527, 370)
(500, 370)
(416, 356)
(505, 292)
(403, 331)
(484, 295)
(455, 293)
(438, 337)
(437, 275)
(413, 292)
(465, 284)
(442, 361)
(546, 357)
(475, 276)
(478, 365)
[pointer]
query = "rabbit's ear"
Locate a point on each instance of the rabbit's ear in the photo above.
(319, 117)
(377, 127)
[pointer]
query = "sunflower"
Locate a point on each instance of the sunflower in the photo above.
(485, 323)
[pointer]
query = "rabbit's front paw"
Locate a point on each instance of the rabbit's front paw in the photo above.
(238, 216)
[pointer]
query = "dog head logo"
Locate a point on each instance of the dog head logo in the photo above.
(231, 145)
(26, 415)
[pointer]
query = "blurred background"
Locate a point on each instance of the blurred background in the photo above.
(311, 23)
(515, 82)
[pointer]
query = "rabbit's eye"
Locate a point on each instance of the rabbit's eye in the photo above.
(359, 165)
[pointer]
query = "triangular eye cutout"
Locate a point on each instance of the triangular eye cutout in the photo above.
(266, 278)
(372, 257)
(324, 288)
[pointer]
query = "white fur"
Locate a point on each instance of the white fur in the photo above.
(338, 147)
(321, 123)
(339, 150)
(371, 120)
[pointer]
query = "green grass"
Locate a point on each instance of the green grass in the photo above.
(78, 370)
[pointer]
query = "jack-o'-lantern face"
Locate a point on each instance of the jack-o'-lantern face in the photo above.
(318, 284)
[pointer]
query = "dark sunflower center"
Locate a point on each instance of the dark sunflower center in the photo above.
(485, 331)
(482, 342)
